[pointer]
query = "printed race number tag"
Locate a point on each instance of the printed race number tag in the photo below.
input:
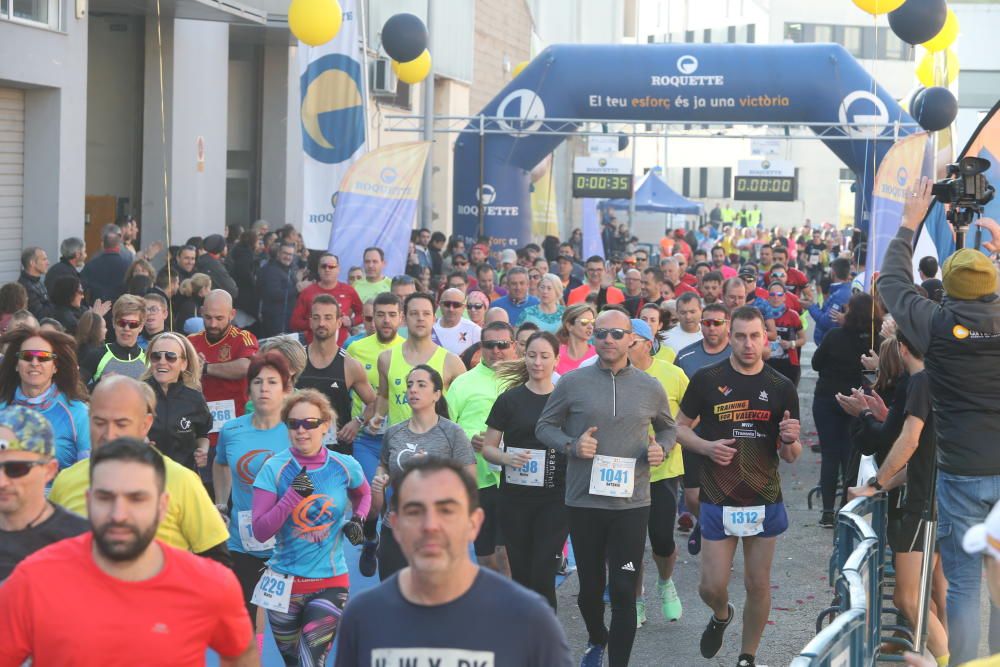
(612, 476)
(250, 542)
(273, 591)
(222, 411)
(777, 352)
(743, 521)
(531, 473)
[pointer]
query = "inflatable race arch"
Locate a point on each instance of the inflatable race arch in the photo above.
(817, 85)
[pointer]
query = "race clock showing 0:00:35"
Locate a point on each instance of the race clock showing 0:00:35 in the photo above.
(602, 185)
(764, 188)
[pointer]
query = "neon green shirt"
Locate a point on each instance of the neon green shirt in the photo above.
(470, 400)
(367, 290)
(674, 383)
(366, 351)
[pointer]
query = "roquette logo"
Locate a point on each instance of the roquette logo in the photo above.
(901, 176)
(488, 194)
(520, 112)
(863, 114)
(389, 175)
(333, 118)
(687, 64)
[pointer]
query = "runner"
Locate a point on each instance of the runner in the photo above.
(395, 364)
(663, 479)
(442, 609)
(121, 407)
(126, 596)
(472, 398)
(713, 348)
(331, 372)
(301, 499)
(427, 433)
(748, 418)
(599, 416)
(784, 356)
(531, 503)
(245, 443)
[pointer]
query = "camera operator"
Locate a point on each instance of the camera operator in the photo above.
(960, 341)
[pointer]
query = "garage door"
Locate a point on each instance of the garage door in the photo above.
(11, 181)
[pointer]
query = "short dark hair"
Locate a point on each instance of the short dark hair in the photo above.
(716, 308)
(427, 465)
(929, 267)
(483, 268)
(64, 288)
(386, 299)
(459, 274)
(688, 296)
(595, 259)
(415, 296)
(326, 300)
(905, 342)
(381, 253)
(780, 248)
(749, 314)
(656, 272)
(713, 276)
(132, 450)
(840, 268)
(28, 255)
(499, 326)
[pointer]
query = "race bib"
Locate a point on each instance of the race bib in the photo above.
(273, 591)
(222, 411)
(612, 476)
(250, 542)
(330, 439)
(777, 352)
(531, 473)
(743, 521)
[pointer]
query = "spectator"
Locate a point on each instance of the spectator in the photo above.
(139, 267)
(517, 298)
(347, 299)
(831, 313)
(276, 285)
(456, 246)
(122, 356)
(41, 373)
(67, 302)
(576, 240)
(104, 275)
(548, 312)
(188, 300)
(51, 324)
(243, 268)
(435, 250)
(212, 264)
(927, 268)
(91, 331)
(72, 257)
(184, 263)
(791, 335)
(34, 264)
(156, 318)
(13, 297)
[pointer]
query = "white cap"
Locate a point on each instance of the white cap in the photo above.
(508, 256)
(985, 537)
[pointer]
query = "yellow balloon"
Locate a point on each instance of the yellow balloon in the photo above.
(945, 36)
(925, 69)
(315, 22)
(518, 68)
(415, 70)
(879, 6)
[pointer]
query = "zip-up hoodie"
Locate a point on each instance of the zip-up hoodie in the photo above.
(960, 340)
(622, 406)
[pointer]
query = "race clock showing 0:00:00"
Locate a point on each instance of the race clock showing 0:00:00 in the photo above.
(764, 188)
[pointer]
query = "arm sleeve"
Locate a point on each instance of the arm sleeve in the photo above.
(270, 512)
(361, 498)
(912, 312)
(549, 429)
(233, 633)
(81, 425)
(499, 415)
(16, 619)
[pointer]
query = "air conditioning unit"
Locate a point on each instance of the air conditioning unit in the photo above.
(383, 79)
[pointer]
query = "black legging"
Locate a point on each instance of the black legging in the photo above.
(248, 570)
(535, 532)
(616, 539)
(833, 428)
(663, 516)
(390, 557)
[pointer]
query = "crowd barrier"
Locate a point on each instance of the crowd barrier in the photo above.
(858, 574)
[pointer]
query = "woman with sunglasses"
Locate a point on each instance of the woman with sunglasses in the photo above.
(791, 335)
(548, 312)
(532, 507)
(308, 498)
(476, 305)
(40, 372)
(428, 432)
(245, 443)
(182, 420)
(574, 336)
(122, 355)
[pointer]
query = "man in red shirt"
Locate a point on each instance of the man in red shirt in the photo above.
(117, 590)
(673, 272)
(350, 303)
(595, 285)
(795, 280)
(225, 351)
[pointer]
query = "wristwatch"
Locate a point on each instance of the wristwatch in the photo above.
(865, 413)
(873, 482)
(360, 420)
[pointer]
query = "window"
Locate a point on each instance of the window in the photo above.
(703, 182)
(823, 34)
(852, 41)
(847, 175)
(43, 12)
(794, 32)
(686, 182)
(891, 47)
(751, 38)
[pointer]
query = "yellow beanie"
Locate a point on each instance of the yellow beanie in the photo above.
(969, 274)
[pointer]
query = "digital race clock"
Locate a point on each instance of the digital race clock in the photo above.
(764, 188)
(603, 186)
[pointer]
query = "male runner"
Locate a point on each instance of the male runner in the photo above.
(748, 414)
(600, 417)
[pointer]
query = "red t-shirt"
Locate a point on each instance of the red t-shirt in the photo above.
(788, 326)
(235, 344)
(580, 294)
(59, 608)
(682, 287)
(347, 299)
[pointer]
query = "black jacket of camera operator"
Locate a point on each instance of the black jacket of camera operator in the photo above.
(960, 339)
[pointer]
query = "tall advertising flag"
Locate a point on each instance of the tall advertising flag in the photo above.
(332, 90)
(377, 203)
(900, 170)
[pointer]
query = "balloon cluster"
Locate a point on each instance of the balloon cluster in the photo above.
(934, 26)
(404, 38)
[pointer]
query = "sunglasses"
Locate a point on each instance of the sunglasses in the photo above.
(329, 267)
(778, 276)
(452, 304)
(369, 318)
(713, 323)
(40, 356)
(749, 279)
(476, 306)
(777, 294)
(616, 333)
(496, 344)
(15, 469)
(585, 321)
(309, 424)
(158, 356)
(128, 324)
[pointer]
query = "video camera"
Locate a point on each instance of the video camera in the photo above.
(966, 190)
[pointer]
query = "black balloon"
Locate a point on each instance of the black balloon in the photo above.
(934, 108)
(918, 20)
(404, 37)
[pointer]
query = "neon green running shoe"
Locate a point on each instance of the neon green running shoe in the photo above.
(640, 613)
(671, 604)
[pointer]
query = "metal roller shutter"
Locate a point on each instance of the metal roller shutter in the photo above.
(11, 181)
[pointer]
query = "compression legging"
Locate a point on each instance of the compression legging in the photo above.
(662, 516)
(305, 632)
(535, 532)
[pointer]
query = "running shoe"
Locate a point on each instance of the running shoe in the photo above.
(685, 522)
(694, 542)
(746, 660)
(640, 613)
(593, 656)
(670, 602)
(711, 638)
(368, 562)
(827, 520)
